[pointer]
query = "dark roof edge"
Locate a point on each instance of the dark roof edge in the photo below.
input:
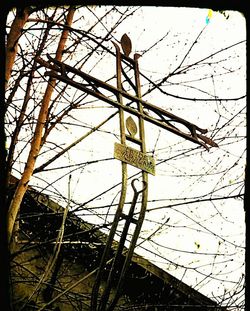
(170, 279)
(137, 259)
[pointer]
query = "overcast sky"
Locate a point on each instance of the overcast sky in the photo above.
(184, 235)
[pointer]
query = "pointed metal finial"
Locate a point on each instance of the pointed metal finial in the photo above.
(136, 56)
(126, 44)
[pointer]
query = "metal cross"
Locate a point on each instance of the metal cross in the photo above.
(104, 298)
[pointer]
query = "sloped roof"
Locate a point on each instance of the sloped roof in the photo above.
(149, 278)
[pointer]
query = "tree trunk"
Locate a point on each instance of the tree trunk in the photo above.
(36, 142)
(12, 42)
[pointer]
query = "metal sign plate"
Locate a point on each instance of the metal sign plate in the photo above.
(135, 157)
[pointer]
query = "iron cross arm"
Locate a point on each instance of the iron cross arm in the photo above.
(164, 118)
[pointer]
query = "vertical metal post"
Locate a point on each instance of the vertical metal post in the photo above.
(118, 214)
(144, 193)
(120, 265)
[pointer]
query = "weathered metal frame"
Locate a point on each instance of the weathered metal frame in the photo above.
(193, 136)
(101, 300)
(105, 303)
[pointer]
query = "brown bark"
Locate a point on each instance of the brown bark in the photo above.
(27, 97)
(36, 142)
(12, 42)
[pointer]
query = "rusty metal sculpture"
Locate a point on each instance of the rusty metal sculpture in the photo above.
(105, 298)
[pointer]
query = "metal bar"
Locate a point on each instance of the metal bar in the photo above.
(114, 90)
(106, 292)
(133, 241)
(104, 301)
(144, 192)
(159, 111)
(128, 109)
(140, 107)
(118, 256)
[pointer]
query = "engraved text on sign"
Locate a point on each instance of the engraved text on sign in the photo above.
(135, 157)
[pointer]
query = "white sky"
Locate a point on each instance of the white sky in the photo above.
(150, 24)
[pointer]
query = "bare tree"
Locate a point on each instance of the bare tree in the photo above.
(48, 122)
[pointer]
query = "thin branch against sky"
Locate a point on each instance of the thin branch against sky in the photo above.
(183, 170)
